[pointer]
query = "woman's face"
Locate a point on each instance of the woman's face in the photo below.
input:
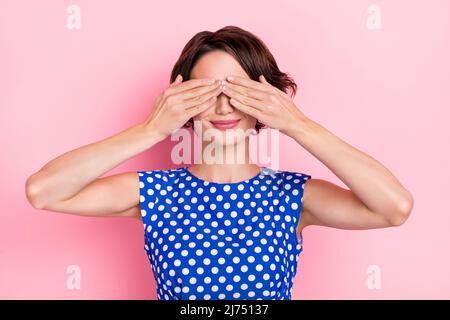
(218, 65)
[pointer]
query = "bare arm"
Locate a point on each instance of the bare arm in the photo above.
(376, 198)
(70, 183)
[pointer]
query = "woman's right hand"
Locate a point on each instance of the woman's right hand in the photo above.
(72, 182)
(180, 102)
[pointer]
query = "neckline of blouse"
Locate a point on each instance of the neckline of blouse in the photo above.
(205, 182)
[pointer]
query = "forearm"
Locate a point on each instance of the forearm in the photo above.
(368, 179)
(66, 175)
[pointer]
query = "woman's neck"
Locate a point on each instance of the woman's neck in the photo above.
(225, 163)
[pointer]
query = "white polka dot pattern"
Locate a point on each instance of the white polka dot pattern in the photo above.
(208, 240)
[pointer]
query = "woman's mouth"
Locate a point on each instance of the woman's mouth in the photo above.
(225, 124)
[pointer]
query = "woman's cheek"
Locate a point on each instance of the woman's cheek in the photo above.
(250, 122)
(198, 119)
(202, 114)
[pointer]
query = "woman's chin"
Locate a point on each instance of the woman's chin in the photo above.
(224, 140)
(226, 137)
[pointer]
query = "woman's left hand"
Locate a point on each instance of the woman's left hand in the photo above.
(268, 104)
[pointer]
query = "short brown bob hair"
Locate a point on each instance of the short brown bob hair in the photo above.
(251, 53)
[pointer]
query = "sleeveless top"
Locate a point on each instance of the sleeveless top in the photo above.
(210, 240)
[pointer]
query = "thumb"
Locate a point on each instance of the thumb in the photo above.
(263, 79)
(177, 80)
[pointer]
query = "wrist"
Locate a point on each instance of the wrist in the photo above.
(151, 132)
(300, 127)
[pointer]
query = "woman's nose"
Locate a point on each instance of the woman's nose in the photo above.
(223, 104)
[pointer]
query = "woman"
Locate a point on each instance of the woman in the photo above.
(215, 229)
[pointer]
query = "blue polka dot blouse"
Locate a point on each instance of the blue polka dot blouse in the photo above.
(210, 240)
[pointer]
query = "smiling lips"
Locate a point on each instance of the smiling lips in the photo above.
(225, 124)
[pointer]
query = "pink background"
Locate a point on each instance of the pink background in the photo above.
(384, 91)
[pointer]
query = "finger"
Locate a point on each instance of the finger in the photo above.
(263, 86)
(263, 80)
(187, 95)
(201, 98)
(255, 113)
(188, 85)
(248, 83)
(177, 80)
(192, 112)
(246, 91)
(244, 99)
